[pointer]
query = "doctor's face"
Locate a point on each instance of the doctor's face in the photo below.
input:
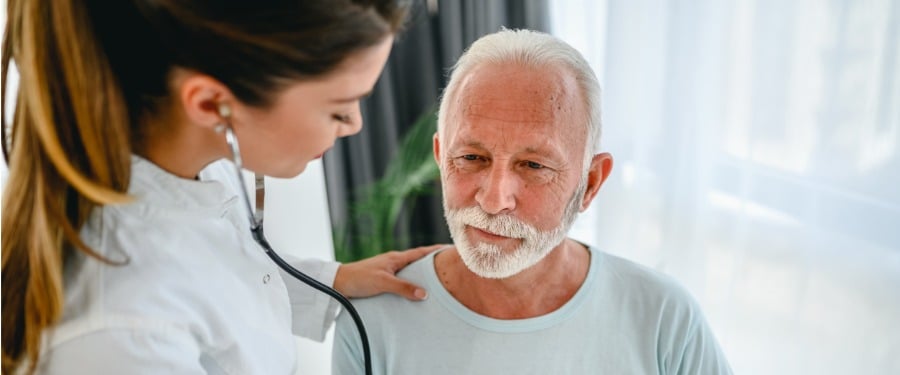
(307, 117)
(511, 154)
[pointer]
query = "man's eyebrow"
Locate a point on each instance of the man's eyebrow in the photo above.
(530, 150)
(535, 150)
(547, 152)
(352, 99)
(475, 144)
(469, 144)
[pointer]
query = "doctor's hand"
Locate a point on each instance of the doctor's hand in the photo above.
(378, 274)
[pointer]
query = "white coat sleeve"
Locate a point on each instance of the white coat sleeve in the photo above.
(124, 351)
(312, 311)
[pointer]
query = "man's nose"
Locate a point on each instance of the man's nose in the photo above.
(498, 191)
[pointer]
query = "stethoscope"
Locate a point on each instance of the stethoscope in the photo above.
(256, 228)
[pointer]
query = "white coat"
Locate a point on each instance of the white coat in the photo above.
(190, 293)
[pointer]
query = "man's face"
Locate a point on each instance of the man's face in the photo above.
(511, 156)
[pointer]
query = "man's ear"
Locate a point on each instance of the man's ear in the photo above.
(202, 98)
(437, 149)
(601, 166)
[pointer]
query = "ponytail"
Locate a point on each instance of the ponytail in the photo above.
(69, 152)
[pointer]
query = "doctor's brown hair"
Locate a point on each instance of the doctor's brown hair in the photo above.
(90, 71)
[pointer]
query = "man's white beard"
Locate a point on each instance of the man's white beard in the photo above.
(489, 260)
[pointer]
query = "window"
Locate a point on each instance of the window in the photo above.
(757, 160)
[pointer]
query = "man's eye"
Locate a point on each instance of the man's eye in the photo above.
(469, 162)
(342, 118)
(533, 165)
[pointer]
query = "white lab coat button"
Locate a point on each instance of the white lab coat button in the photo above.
(266, 279)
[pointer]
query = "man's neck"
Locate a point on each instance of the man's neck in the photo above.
(536, 291)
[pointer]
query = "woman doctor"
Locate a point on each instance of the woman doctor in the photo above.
(118, 255)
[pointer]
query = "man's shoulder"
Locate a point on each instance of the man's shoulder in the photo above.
(629, 269)
(634, 280)
(419, 271)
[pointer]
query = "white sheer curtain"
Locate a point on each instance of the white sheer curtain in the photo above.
(757, 160)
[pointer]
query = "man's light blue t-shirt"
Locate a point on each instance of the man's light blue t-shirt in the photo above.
(625, 319)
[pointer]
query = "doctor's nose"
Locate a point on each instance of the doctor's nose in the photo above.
(351, 124)
(497, 194)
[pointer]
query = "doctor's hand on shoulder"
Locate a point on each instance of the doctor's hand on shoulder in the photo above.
(378, 274)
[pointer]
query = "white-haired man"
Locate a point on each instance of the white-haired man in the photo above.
(517, 143)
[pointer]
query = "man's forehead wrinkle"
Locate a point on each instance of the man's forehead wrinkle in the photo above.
(510, 111)
(500, 118)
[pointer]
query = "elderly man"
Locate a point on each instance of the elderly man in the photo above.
(517, 148)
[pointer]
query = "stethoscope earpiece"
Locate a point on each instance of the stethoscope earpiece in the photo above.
(225, 113)
(224, 110)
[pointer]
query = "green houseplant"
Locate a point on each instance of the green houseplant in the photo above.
(369, 228)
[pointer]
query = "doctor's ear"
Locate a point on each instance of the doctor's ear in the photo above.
(204, 99)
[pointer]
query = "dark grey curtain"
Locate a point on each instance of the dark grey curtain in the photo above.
(416, 72)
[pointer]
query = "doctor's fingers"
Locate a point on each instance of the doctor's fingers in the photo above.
(395, 285)
(401, 259)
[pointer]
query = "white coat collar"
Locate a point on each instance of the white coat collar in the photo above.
(160, 190)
